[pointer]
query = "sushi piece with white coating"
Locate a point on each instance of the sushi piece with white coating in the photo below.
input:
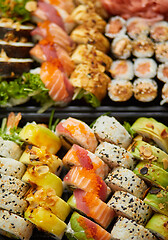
(14, 226)
(124, 179)
(161, 51)
(110, 130)
(131, 207)
(120, 90)
(145, 89)
(145, 68)
(115, 156)
(122, 69)
(162, 72)
(11, 167)
(143, 47)
(115, 27)
(130, 230)
(9, 149)
(121, 47)
(159, 31)
(164, 94)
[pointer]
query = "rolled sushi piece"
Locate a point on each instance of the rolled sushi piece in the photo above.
(161, 51)
(122, 179)
(76, 131)
(164, 94)
(129, 229)
(145, 89)
(115, 156)
(145, 68)
(13, 185)
(158, 225)
(155, 175)
(146, 152)
(12, 202)
(40, 176)
(115, 27)
(9, 149)
(151, 128)
(131, 207)
(110, 130)
(137, 27)
(80, 157)
(45, 220)
(120, 90)
(14, 226)
(121, 47)
(157, 199)
(48, 199)
(122, 69)
(143, 47)
(87, 180)
(90, 205)
(162, 73)
(80, 227)
(40, 136)
(11, 167)
(159, 31)
(39, 156)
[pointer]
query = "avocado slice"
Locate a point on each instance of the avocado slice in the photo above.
(40, 136)
(144, 151)
(158, 224)
(158, 200)
(152, 173)
(153, 129)
(40, 176)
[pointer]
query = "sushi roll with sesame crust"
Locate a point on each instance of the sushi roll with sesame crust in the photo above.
(145, 68)
(145, 90)
(115, 156)
(122, 69)
(130, 230)
(11, 167)
(164, 94)
(121, 47)
(14, 226)
(9, 149)
(161, 51)
(158, 224)
(124, 179)
(159, 31)
(110, 130)
(120, 90)
(143, 47)
(131, 207)
(115, 27)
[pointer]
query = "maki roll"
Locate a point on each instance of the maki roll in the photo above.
(124, 179)
(76, 131)
(161, 51)
(89, 204)
(158, 224)
(115, 27)
(162, 73)
(110, 130)
(129, 229)
(145, 90)
(164, 94)
(14, 226)
(131, 207)
(152, 173)
(121, 47)
(78, 156)
(80, 227)
(159, 31)
(120, 90)
(143, 47)
(145, 68)
(87, 180)
(122, 69)
(137, 27)
(115, 156)
(157, 199)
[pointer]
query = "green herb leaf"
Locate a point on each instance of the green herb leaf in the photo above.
(129, 129)
(89, 98)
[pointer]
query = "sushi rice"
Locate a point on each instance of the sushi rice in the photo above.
(121, 47)
(145, 68)
(115, 27)
(122, 69)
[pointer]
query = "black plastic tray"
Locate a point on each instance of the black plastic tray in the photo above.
(88, 115)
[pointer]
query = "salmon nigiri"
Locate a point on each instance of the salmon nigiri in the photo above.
(52, 75)
(78, 156)
(87, 180)
(76, 131)
(92, 206)
(53, 33)
(46, 51)
(67, 5)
